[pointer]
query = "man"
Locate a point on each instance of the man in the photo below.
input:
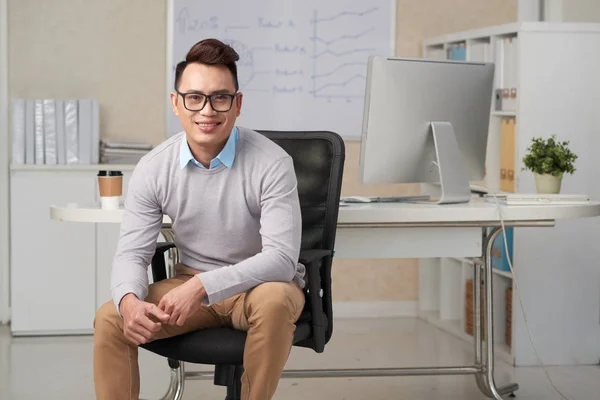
(232, 196)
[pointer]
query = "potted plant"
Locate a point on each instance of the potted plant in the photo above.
(549, 160)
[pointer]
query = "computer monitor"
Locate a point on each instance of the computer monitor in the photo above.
(426, 121)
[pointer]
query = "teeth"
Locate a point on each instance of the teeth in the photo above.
(213, 124)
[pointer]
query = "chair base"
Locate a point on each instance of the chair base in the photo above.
(230, 376)
(176, 383)
(224, 375)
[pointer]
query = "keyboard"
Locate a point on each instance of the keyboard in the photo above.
(384, 199)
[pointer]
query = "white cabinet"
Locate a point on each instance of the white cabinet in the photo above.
(60, 271)
(52, 263)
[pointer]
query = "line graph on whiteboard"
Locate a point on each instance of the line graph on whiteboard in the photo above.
(305, 62)
(344, 77)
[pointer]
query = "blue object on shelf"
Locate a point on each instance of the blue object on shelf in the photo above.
(499, 260)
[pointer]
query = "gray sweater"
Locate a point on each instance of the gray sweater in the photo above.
(238, 227)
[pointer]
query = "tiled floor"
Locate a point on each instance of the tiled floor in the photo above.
(61, 368)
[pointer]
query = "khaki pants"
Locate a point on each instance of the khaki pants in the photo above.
(267, 312)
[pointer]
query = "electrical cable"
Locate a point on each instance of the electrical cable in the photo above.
(519, 295)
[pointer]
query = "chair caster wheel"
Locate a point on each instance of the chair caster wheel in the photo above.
(512, 395)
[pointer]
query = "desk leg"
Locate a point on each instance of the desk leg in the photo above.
(485, 380)
(481, 377)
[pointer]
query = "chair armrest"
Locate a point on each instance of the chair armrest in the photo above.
(159, 268)
(310, 256)
(310, 259)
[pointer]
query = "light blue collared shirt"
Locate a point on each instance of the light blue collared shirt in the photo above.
(225, 157)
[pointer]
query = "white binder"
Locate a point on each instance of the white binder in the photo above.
(18, 131)
(39, 131)
(61, 139)
(85, 131)
(71, 131)
(50, 150)
(29, 132)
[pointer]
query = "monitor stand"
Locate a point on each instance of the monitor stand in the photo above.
(454, 179)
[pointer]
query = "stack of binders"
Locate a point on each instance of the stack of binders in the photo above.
(55, 131)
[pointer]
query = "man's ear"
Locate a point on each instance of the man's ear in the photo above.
(238, 102)
(174, 102)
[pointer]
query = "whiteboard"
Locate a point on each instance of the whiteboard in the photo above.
(302, 63)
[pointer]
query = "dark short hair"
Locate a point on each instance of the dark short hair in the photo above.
(209, 52)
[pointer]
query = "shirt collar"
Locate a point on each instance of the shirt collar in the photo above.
(226, 156)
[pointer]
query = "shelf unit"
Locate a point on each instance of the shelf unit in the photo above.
(554, 74)
(448, 309)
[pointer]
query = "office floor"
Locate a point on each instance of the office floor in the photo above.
(61, 368)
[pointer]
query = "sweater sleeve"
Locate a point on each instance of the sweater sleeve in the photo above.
(280, 230)
(142, 220)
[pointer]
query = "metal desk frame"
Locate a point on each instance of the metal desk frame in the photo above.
(483, 367)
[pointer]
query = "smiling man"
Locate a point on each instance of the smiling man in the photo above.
(232, 196)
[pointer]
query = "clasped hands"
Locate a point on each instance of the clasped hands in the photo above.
(142, 320)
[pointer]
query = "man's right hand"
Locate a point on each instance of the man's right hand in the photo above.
(137, 325)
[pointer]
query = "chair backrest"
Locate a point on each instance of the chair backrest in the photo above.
(319, 163)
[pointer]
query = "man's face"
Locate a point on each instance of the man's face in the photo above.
(206, 128)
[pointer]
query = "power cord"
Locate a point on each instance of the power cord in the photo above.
(519, 295)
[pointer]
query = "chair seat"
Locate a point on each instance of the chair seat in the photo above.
(213, 346)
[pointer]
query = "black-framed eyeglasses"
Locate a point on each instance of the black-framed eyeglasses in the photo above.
(220, 102)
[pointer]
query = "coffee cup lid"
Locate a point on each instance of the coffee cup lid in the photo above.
(110, 173)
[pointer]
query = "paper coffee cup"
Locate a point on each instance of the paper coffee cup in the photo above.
(110, 185)
(109, 203)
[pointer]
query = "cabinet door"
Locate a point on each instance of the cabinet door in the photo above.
(52, 262)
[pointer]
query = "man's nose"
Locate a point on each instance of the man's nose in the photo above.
(208, 109)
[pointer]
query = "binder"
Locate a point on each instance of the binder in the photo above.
(507, 155)
(507, 79)
(450, 52)
(95, 132)
(514, 66)
(457, 52)
(50, 151)
(85, 131)
(499, 64)
(39, 131)
(510, 77)
(18, 131)
(462, 52)
(29, 132)
(71, 131)
(499, 260)
(61, 146)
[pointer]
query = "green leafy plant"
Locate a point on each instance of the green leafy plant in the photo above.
(550, 157)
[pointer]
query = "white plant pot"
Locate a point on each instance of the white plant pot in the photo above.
(547, 183)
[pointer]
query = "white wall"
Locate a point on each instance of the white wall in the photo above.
(4, 151)
(530, 10)
(581, 10)
(571, 10)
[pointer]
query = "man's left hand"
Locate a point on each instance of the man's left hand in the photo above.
(183, 301)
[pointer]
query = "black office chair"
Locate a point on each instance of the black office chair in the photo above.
(319, 161)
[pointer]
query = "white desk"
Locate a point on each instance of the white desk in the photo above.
(389, 230)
